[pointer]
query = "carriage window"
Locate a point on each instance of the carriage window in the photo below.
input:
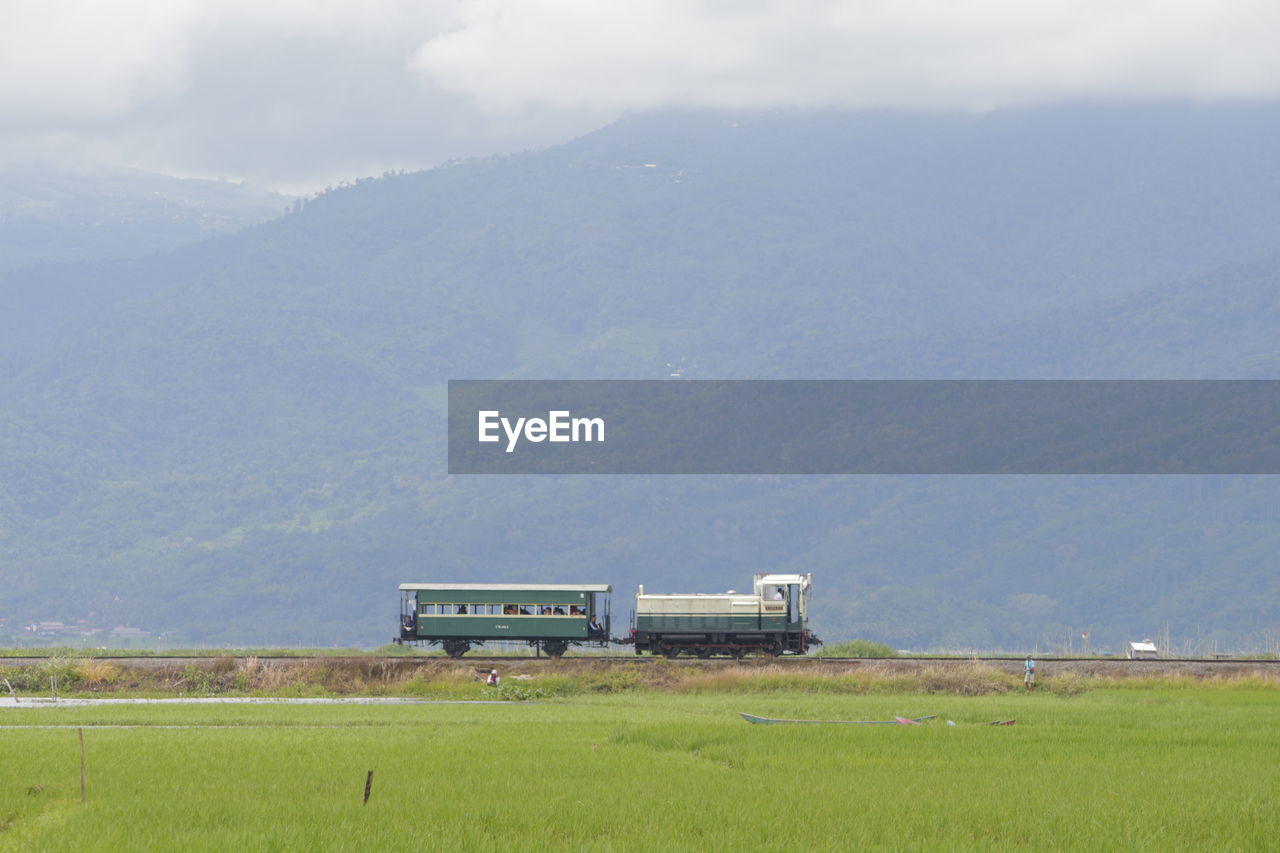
(462, 609)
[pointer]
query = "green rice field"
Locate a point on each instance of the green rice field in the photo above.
(1185, 768)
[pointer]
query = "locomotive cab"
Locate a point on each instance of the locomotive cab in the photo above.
(792, 591)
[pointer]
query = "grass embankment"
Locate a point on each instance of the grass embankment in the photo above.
(442, 678)
(1167, 769)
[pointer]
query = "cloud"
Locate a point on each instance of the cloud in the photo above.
(81, 61)
(582, 54)
(297, 92)
(292, 93)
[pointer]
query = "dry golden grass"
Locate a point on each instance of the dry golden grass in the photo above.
(97, 674)
(446, 677)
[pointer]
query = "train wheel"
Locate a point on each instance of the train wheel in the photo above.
(456, 648)
(554, 648)
(704, 653)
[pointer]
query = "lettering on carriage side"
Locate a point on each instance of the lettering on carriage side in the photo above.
(558, 426)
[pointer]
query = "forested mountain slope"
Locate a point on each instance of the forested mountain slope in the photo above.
(242, 440)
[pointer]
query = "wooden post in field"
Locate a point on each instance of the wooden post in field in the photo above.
(80, 732)
(368, 786)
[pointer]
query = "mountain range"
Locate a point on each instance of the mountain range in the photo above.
(240, 438)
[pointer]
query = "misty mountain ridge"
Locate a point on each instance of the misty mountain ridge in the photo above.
(52, 214)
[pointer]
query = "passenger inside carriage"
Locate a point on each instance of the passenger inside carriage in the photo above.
(510, 610)
(462, 608)
(559, 611)
(575, 610)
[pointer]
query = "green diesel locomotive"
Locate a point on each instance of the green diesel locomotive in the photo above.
(771, 619)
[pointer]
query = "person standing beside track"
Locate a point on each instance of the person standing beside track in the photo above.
(1029, 679)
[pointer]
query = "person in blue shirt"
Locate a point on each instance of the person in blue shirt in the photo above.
(1030, 678)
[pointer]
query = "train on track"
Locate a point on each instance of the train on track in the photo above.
(770, 619)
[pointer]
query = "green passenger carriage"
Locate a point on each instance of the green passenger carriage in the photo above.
(550, 617)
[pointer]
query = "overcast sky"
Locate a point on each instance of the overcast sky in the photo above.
(299, 93)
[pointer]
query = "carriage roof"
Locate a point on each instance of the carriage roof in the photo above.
(507, 587)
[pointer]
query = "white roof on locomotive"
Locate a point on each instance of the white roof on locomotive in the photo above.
(509, 587)
(783, 579)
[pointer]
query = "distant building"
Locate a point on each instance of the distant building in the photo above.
(50, 628)
(1142, 650)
